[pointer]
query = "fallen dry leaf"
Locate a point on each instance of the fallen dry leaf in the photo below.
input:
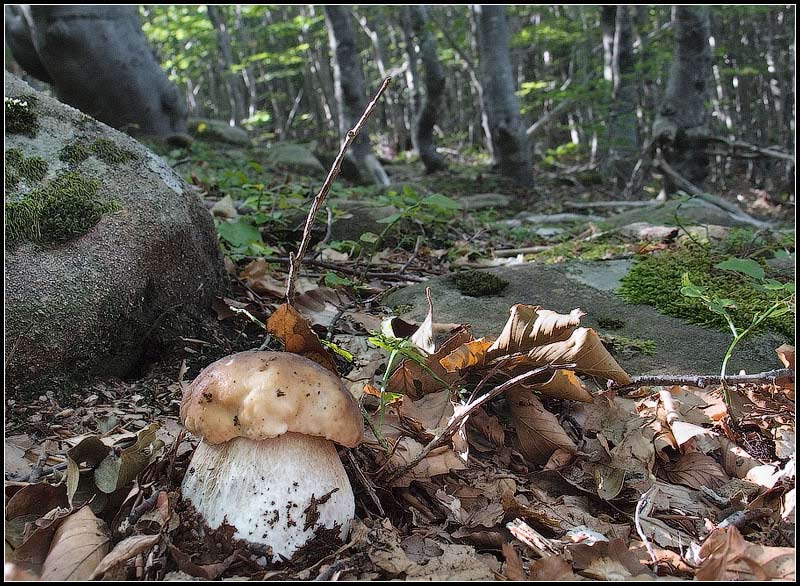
(125, 550)
(290, 326)
(513, 569)
(695, 470)
(79, 544)
(726, 556)
(530, 326)
(539, 432)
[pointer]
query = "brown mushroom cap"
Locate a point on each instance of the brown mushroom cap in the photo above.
(261, 395)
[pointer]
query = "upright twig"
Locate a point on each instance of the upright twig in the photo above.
(296, 259)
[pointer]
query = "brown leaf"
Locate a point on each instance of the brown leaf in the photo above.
(530, 326)
(471, 354)
(208, 571)
(564, 384)
(513, 570)
(78, 546)
(256, 275)
(608, 560)
(488, 426)
(423, 337)
(320, 305)
(727, 556)
(584, 349)
(553, 568)
(786, 354)
(695, 470)
(125, 550)
(538, 430)
(287, 324)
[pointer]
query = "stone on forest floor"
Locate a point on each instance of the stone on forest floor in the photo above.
(652, 233)
(295, 158)
(483, 201)
(137, 265)
(673, 213)
(680, 347)
(217, 130)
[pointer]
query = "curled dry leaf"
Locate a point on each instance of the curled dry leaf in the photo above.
(423, 337)
(727, 556)
(538, 431)
(114, 471)
(608, 560)
(290, 326)
(695, 470)
(513, 569)
(472, 354)
(79, 544)
(208, 571)
(530, 326)
(564, 384)
(125, 550)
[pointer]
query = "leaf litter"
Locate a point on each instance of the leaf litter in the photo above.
(554, 478)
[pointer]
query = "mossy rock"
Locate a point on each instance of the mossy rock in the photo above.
(114, 257)
(218, 131)
(479, 283)
(295, 158)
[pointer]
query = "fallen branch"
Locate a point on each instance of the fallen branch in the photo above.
(740, 144)
(692, 189)
(542, 122)
(459, 418)
(296, 259)
(703, 380)
(612, 204)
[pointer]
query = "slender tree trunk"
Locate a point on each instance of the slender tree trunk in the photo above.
(233, 82)
(427, 114)
(681, 128)
(350, 90)
(98, 60)
(608, 19)
(505, 122)
(623, 139)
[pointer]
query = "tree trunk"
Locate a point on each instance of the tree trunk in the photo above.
(233, 83)
(350, 90)
(608, 19)
(99, 61)
(623, 139)
(681, 128)
(434, 79)
(505, 122)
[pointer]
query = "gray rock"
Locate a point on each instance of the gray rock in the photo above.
(483, 201)
(361, 216)
(295, 158)
(689, 213)
(680, 347)
(105, 299)
(217, 130)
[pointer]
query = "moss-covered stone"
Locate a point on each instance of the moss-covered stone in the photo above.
(65, 208)
(580, 250)
(479, 283)
(33, 169)
(11, 180)
(624, 345)
(109, 152)
(655, 280)
(14, 157)
(74, 153)
(20, 116)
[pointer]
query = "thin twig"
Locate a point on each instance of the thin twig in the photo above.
(643, 508)
(703, 380)
(297, 258)
(458, 419)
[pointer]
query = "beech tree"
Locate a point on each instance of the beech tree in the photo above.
(350, 89)
(99, 61)
(681, 128)
(428, 106)
(511, 151)
(233, 82)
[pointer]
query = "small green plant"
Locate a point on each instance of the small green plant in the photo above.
(754, 273)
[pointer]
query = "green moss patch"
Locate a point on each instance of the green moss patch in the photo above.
(20, 116)
(75, 153)
(656, 280)
(65, 208)
(479, 283)
(572, 250)
(33, 169)
(109, 152)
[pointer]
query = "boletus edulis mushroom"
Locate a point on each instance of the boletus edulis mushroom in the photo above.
(267, 464)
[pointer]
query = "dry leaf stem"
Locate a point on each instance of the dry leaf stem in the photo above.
(296, 259)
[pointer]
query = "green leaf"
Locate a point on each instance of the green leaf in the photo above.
(338, 350)
(334, 280)
(745, 266)
(437, 200)
(239, 233)
(390, 219)
(114, 471)
(369, 237)
(90, 450)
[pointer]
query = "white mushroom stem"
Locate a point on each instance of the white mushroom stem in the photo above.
(270, 490)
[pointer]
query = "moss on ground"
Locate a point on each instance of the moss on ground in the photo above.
(572, 250)
(67, 207)
(109, 152)
(656, 280)
(32, 169)
(20, 117)
(479, 283)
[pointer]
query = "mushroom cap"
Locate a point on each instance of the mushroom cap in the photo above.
(261, 395)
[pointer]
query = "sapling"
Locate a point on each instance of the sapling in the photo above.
(756, 277)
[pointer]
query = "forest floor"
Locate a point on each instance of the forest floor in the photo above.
(585, 482)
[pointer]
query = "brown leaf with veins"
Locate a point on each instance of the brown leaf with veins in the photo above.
(538, 431)
(78, 546)
(553, 568)
(727, 556)
(513, 570)
(695, 470)
(530, 326)
(471, 354)
(564, 384)
(287, 324)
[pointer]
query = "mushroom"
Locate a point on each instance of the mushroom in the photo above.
(267, 464)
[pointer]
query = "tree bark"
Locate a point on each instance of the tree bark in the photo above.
(505, 122)
(608, 19)
(681, 128)
(622, 137)
(350, 89)
(99, 61)
(434, 80)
